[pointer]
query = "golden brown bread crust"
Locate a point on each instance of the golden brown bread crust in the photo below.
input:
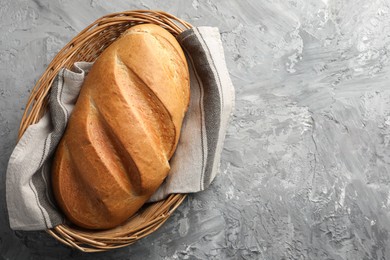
(123, 130)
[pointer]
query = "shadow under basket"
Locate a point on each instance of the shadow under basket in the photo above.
(87, 46)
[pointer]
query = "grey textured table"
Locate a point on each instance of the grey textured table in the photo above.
(305, 168)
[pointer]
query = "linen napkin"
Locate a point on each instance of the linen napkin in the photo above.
(30, 202)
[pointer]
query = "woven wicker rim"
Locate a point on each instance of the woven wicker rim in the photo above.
(87, 46)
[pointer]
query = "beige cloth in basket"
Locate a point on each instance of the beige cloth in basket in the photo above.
(193, 167)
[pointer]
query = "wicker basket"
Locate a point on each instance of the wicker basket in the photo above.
(87, 46)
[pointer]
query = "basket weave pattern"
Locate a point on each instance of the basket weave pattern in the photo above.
(87, 46)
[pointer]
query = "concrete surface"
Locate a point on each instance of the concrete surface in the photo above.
(305, 169)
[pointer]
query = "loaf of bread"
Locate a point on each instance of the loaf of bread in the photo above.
(123, 130)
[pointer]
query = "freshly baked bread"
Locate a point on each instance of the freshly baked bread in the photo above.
(123, 130)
